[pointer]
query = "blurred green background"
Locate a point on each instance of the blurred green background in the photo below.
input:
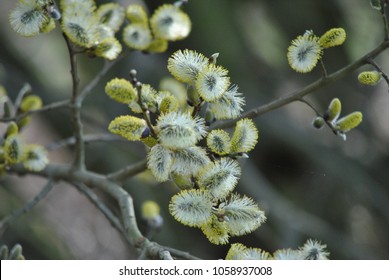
(310, 183)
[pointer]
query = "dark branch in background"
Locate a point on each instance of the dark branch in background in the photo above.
(92, 196)
(27, 207)
(375, 65)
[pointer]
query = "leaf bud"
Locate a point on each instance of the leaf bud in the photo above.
(333, 110)
(12, 129)
(332, 38)
(318, 122)
(349, 122)
(31, 103)
(370, 78)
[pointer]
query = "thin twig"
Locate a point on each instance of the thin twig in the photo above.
(309, 105)
(383, 74)
(145, 110)
(128, 171)
(89, 138)
(92, 84)
(91, 195)
(48, 107)
(27, 207)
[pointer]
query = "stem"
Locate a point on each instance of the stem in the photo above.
(145, 110)
(375, 65)
(23, 91)
(280, 102)
(92, 84)
(385, 20)
(128, 171)
(87, 139)
(27, 207)
(76, 103)
(323, 68)
(91, 195)
(48, 107)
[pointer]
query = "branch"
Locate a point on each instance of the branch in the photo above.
(87, 139)
(91, 195)
(76, 103)
(130, 228)
(297, 95)
(27, 207)
(128, 171)
(48, 107)
(92, 84)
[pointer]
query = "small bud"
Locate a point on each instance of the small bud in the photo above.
(318, 122)
(370, 78)
(31, 103)
(150, 213)
(332, 38)
(12, 129)
(168, 104)
(136, 14)
(349, 122)
(14, 149)
(146, 133)
(333, 110)
(55, 14)
(129, 127)
(193, 96)
(24, 122)
(158, 46)
(213, 58)
(121, 91)
(209, 117)
(150, 141)
(182, 182)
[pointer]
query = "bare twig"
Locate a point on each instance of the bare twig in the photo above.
(383, 74)
(128, 171)
(87, 139)
(48, 107)
(91, 195)
(92, 84)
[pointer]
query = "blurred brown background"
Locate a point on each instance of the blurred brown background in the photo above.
(310, 183)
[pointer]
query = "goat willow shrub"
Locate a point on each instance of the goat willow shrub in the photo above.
(174, 121)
